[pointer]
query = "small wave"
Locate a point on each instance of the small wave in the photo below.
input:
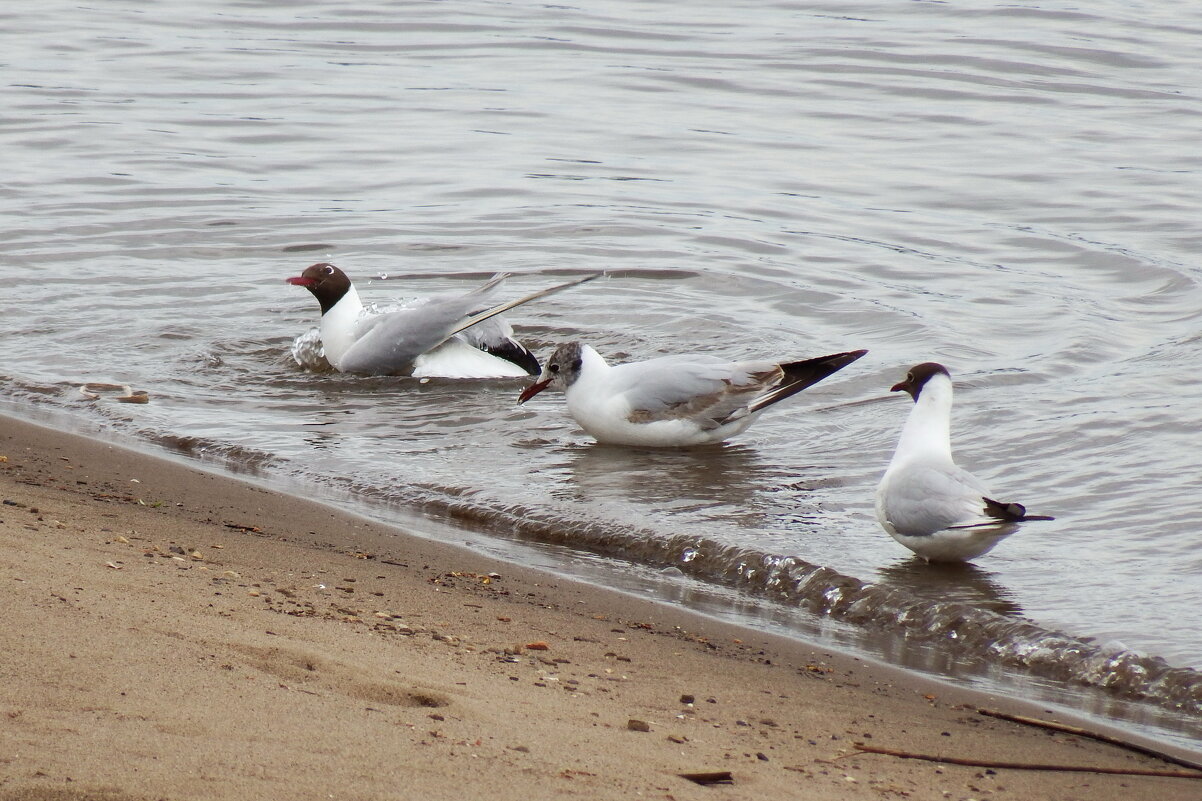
(228, 456)
(968, 632)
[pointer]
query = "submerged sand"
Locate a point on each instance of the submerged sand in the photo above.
(170, 633)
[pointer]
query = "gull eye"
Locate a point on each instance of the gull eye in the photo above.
(553, 367)
(329, 269)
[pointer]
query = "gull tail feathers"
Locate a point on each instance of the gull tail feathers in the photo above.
(804, 374)
(493, 311)
(1010, 512)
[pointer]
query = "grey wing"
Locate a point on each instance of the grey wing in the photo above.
(492, 332)
(706, 389)
(924, 499)
(389, 342)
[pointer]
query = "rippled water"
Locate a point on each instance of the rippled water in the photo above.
(1009, 189)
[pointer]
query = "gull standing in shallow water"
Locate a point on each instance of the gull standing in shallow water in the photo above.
(674, 401)
(936, 509)
(447, 336)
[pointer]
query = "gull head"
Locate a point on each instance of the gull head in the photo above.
(917, 378)
(327, 283)
(560, 372)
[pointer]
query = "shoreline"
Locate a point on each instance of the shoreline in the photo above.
(178, 633)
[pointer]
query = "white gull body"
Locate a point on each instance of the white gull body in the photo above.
(673, 401)
(925, 501)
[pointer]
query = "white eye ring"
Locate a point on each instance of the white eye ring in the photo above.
(329, 270)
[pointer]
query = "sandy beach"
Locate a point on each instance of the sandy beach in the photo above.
(171, 633)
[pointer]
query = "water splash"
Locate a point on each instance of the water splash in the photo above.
(308, 353)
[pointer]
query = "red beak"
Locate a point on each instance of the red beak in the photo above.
(300, 280)
(532, 390)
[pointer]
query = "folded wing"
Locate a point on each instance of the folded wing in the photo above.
(924, 499)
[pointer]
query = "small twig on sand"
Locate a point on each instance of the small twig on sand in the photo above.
(986, 763)
(708, 778)
(1093, 735)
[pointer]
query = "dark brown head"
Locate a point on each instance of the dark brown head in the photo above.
(562, 370)
(327, 283)
(917, 378)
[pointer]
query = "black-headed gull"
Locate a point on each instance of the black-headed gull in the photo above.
(936, 509)
(447, 336)
(674, 401)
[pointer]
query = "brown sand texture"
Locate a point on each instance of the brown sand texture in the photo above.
(171, 633)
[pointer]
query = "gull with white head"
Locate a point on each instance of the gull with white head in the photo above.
(674, 401)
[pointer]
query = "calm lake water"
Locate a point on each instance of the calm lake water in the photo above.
(1011, 189)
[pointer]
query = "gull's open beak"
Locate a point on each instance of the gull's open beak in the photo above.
(532, 390)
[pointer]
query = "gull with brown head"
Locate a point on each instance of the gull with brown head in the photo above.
(453, 336)
(925, 500)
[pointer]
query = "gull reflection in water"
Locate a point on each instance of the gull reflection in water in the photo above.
(962, 582)
(728, 476)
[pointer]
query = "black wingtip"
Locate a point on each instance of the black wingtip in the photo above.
(804, 374)
(518, 354)
(1011, 512)
(809, 372)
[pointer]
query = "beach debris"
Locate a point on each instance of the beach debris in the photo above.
(709, 777)
(638, 725)
(482, 578)
(538, 646)
(399, 628)
(688, 699)
(989, 763)
(95, 390)
(1052, 725)
(113, 565)
(248, 529)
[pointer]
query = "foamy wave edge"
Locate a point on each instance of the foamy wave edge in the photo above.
(1013, 641)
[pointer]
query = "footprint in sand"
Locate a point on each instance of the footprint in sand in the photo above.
(312, 671)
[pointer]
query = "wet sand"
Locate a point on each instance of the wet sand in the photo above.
(170, 633)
